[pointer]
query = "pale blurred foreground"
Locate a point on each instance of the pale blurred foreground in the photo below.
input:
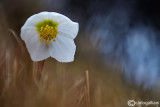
(86, 82)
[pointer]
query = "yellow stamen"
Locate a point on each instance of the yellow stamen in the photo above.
(45, 42)
(41, 39)
(48, 33)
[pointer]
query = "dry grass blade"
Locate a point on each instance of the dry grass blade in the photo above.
(19, 41)
(34, 71)
(39, 69)
(87, 89)
(77, 84)
(15, 35)
(7, 73)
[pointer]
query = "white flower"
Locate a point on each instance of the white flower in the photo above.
(50, 34)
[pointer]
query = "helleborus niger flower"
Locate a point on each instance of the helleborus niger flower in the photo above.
(50, 34)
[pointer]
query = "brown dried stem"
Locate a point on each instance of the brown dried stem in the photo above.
(87, 89)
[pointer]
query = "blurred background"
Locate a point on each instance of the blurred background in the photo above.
(117, 57)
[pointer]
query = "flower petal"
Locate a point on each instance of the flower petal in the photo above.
(28, 32)
(37, 50)
(36, 18)
(63, 49)
(70, 29)
(58, 17)
(65, 25)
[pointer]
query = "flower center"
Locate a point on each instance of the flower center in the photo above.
(47, 31)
